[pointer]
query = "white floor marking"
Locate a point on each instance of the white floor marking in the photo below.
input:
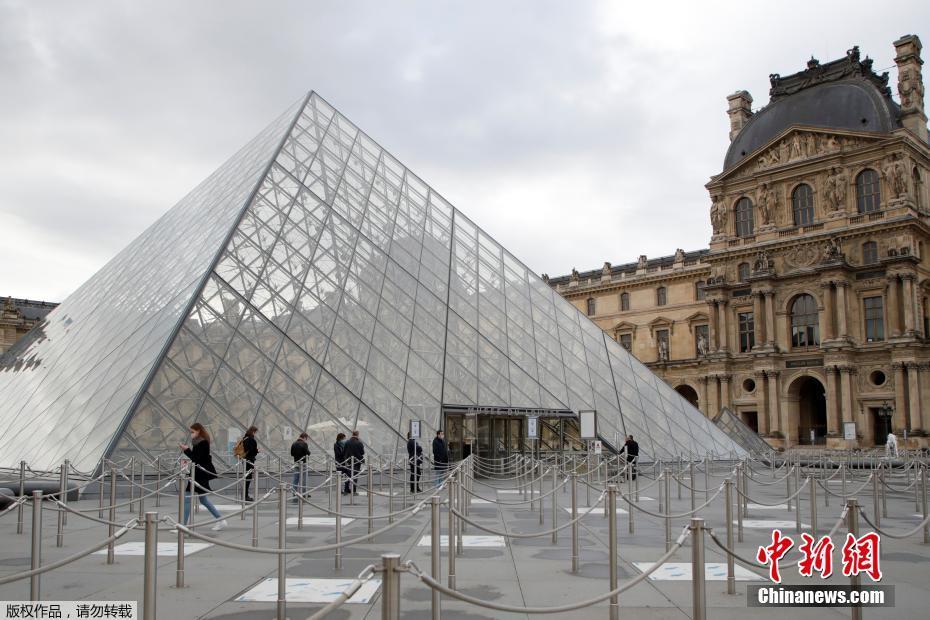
(681, 571)
(467, 541)
(761, 507)
(761, 524)
(309, 591)
(319, 521)
(599, 511)
(164, 548)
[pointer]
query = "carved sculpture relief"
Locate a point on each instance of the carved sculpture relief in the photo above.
(895, 172)
(718, 215)
(802, 256)
(835, 190)
(767, 201)
(803, 145)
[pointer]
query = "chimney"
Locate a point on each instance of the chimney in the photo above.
(739, 111)
(911, 85)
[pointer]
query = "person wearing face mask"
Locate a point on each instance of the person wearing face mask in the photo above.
(204, 471)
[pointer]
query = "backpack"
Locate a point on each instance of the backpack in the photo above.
(239, 450)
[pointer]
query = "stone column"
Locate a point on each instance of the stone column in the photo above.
(723, 336)
(846, 393)
(758, 316)
(724, 391)
(704, 396)
(712, 401)
(908, 302)
(923, 375)
(842, 326)
(913, 390)
(900, 396)
(770, 318)
(765, 424)
(894, 326)
(834, 422)
(713, 345)
(774, 412)
(826, 319)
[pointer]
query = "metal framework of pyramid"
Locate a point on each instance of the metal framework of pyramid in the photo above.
(748, 439)
(315, 283)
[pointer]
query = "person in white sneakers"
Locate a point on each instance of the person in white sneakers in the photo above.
(204, 471)
(891, 446)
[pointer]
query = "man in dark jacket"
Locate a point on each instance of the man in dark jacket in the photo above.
(440, 457)
(251, 453)
(354, 454)
(339, 456)
(632, 454)
(300, 452)
(414, 463)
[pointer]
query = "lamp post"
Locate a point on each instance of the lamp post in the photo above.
(886, 411)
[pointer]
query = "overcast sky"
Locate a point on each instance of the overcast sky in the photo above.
(574, 132)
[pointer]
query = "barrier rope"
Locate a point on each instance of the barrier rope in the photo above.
(363, 577)
(908, 534)
(789, 497)
(671, 516)
(534, 534)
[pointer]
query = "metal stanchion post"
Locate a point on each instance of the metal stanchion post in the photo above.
(542, 473)
(668, 519)
(390, 587)
(587, 473)
(811, 480)
(788, 488)
(460, 503)
(555, 505)
(338, 514)
(435, 553)
(852, 521)
(179, 570)
(843, 466)
(371, 498)
(62, 497)
(450, 535)
(797, 507)
(681, 473)
(876, 501)
(298, 493)
(282, 559)
(574, 523)
(254, 521)
(612, 548)
(745, 496)
(728, 497)
(698, 591)
(706, 478)
(142, 491)
(150, 570)
(883, 491)
(158, 481)
(691, 480)
(739, 503)
(22, 494)
(111, 552)
(132, 490)
(923, 493)
(100, 483)
(34, 581)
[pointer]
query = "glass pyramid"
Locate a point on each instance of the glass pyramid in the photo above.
(315, 283)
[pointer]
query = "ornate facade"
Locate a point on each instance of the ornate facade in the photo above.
(18, 316)
(810, 310)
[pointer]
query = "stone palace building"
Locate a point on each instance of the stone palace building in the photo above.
(18, 316)
(810, 311)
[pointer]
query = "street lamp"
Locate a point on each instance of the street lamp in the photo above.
(886, 411)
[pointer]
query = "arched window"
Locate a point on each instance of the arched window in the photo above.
(802, 205)
(744, 225)
(624, 302)
(591, 307)
(869, 253)
(742, 272)
(868, 191)
(805, 331)
(660, 296)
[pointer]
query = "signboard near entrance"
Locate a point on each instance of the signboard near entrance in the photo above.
(414, 429)
(532, 428)
(849, 431)
(588, 423)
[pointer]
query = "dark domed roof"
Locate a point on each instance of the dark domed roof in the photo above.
(843, 94)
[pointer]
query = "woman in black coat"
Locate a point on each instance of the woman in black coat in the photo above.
(204, 471)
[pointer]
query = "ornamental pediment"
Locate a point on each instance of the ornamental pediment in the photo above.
(795, 144)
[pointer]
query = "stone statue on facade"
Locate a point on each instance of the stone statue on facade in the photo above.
(835, 191)
(896, 174)
(763, 263)
(605, 270)
(575, 274)
(663, 350)
(679, 255)
(641, 263)
(718, 215)
(832, 252)
(702, 345)
(768, 202)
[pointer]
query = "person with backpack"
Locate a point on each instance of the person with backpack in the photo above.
(632, 454)
(339, 455)
(204, 471)
(247, 449)
(440, 456)
(300, 452)
(354, 454)
(415, 463)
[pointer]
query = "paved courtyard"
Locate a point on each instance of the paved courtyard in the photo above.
(523, 572)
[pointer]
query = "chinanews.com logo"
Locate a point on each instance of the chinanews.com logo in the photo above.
(860, 557)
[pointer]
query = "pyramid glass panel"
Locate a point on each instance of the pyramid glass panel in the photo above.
(315, 283)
